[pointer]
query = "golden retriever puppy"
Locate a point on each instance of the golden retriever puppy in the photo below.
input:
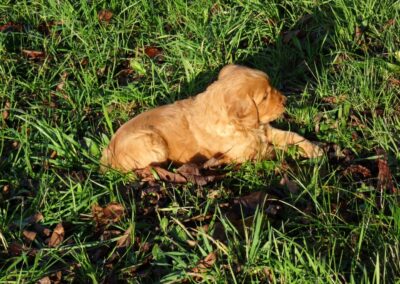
(227, 123)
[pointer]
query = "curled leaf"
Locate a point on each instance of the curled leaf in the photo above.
(205, 263)
(57, 237)
(112, 213)
(33, 54)
(105, 15)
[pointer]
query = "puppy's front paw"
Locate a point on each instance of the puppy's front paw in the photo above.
(310, 150)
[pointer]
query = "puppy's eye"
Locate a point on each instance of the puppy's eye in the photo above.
(265, 97)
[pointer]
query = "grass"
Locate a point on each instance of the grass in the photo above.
(337, 61)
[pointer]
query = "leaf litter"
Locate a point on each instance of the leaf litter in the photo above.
(57, 237)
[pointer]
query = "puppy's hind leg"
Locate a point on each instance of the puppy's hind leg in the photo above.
(131, 151)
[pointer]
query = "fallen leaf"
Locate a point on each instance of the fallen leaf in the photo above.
(33, 54)
(60, 85)
(356, 122)
(84, 61)
(268, 273)
(43, 231)
(46, 27)
(358, 32)
(192, 243)
(6, 110)
(15, 145)
(36, 218)
(29, 235)
(334, 99)
(6, 189)
(16, 249)
(11, 27)
(241, 210)
(186, 173)
(193, 173)
(105, 15)
(290, 185)
(205, 263)
(109, 234)
(157, 173)
(394, 82)
(57, 237)
(152, 51)
(113, 212)
(215, 9)
(125, 239)
(357, 171)
(389, 23)
(53, 154)
(385, 179)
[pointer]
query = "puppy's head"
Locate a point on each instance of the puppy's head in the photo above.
(249, 96)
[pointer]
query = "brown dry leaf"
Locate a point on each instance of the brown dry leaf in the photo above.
(53, 154)
(105, 15)
(46, 232)
(215, 9)
(249, 203)
(192, 243)
(192, 173)
(57, 237)
(358, 32)
(109, 234)
(356, 122)
(84, 61)
(291, 186)
(153, 174)
(213, 194)
(268, 273)
(6, 110)
(16, 249)
(394, 82)
(113, 212)
(6, 189)
(11, 27)
(389, 23)
(385, 179)
(57, 277)
(29, 236)
(357, 170)
(125, 239)
(46, 27)
(152, 51)
(15, 145)
(33, 54)
(205, 263)
(60, 86)
(45, 280)
(185, 173)
(246, 206)
(38, 217)
(334, 100)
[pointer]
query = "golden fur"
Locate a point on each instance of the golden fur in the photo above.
(227, 123)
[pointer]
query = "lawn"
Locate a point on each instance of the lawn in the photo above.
(71, 72)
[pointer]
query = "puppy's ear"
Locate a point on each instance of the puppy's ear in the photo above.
(242, 110)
